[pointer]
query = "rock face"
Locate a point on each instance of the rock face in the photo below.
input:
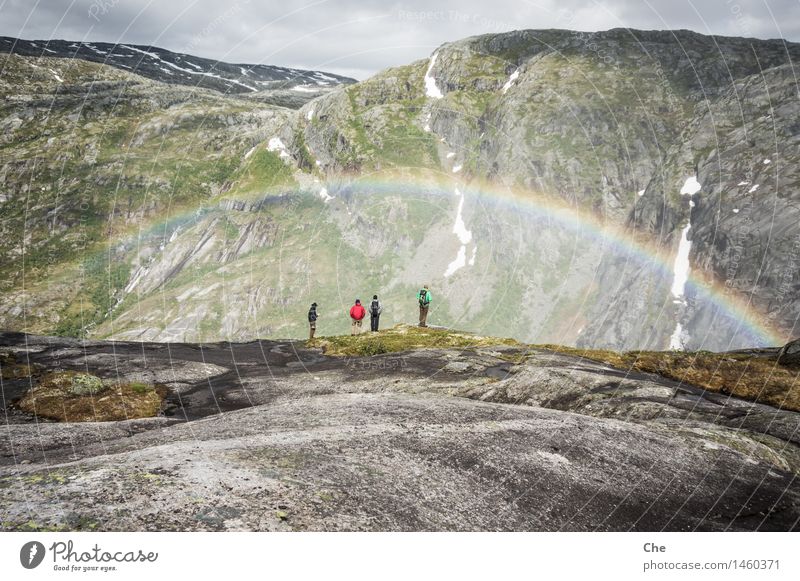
(743, 149)
(533, 178)
(273, 436)
(790, 353)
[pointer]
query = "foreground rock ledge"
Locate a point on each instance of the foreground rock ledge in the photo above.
(273, 436)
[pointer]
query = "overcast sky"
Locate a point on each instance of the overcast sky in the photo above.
(360, 37)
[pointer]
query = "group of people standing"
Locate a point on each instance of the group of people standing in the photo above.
(358, 313)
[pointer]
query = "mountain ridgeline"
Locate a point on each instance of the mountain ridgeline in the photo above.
(621, 189)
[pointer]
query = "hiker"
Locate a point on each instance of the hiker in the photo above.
(357, 313)
(424, 298)
(312, 321)
(375, 309)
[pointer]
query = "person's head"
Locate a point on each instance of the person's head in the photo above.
(358, 301)
(374, 297)
(425, 286)
(313, 305)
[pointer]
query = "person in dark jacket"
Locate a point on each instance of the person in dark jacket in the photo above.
(375, 310)
(312, 321)
(357, 314)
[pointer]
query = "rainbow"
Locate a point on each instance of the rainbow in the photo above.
(727, 303)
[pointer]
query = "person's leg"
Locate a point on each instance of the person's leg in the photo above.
(358, 327)
(424, 316)
(421, 319)
(377, 322)
(353, 327)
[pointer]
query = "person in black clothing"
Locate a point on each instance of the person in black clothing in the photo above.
(312, 321)
(375, 309)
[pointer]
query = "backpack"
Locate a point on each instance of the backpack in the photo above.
(312, 315)
(374, 307)
(423, 298)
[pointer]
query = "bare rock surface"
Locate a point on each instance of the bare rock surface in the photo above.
(281, 437)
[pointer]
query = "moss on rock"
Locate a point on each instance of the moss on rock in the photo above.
(68, 396)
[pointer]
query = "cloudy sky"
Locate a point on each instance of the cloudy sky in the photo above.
(360, 37)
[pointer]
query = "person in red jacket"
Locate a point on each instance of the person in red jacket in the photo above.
(357, 314)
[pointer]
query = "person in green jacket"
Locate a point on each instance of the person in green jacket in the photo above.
(424, 299)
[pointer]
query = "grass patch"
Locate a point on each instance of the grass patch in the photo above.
(758, 379)
(264, 172)
(403, 338)
(68, 396)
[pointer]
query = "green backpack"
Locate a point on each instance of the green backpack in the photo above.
(423, 298)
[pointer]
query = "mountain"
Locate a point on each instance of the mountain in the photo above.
(553, 186)
(436, 431)
(280, 85)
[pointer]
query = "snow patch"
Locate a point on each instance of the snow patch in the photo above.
(767, 161)
(640, 193)
(451, 155)
(690, 187)
(275, 144)
(322, 75)
(431, 90)
(304, 89)
(736, 210)
(459, 262)
(323, 193)
(753, 189)
(250, 152)
(472, 258)
(456, 169)
(55, 74)
(678, 338)
(510, 81)
(681, 266)
(459, 228)
(464, 236)
(310, 114)
(427, 120)
(743, 183)
(177, 68)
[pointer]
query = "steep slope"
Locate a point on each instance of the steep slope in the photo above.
(741, 223)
